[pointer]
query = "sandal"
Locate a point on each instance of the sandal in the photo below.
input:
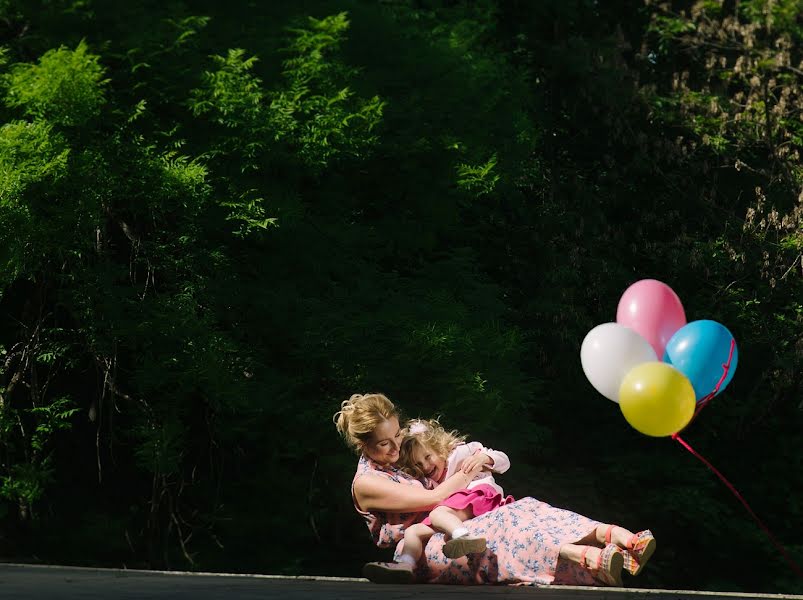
(388, 572)
(609, 565)
(457, 547)
(639, 549)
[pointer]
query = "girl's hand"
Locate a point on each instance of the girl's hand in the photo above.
(475, 460)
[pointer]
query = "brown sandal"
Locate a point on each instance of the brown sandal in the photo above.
(457, 547)
(388, 572)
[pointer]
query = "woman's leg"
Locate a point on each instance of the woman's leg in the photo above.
(619, 535)
(604, 563)
(574, 553)
(637, 547)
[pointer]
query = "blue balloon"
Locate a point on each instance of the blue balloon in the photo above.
(700, 350)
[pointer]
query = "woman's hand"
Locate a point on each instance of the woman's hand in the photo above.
(467, 474)
(479, 459)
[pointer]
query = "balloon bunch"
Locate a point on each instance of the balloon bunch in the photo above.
(661, 397)
(660, 369)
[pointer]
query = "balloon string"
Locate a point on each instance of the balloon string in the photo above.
(777, 544)
(725, 370)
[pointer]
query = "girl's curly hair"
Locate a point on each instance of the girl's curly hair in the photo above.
(431, 434)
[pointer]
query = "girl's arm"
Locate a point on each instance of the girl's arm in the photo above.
(380, 494)
(467, 455)
(501, 462)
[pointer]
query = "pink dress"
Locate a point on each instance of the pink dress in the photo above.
(483, 494)
(524, 539)
(482, 499)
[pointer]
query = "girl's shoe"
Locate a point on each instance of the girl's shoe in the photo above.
(388, 572)
(639, 549)
(609, 565)
(457, 547)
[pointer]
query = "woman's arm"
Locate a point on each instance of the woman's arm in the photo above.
(378, 493)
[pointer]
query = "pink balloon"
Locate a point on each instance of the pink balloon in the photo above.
(651, 308)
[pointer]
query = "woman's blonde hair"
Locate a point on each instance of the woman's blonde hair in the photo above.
(427, 433)
(360, 415)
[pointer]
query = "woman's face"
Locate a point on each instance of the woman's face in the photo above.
(429, 462)
(383, 447)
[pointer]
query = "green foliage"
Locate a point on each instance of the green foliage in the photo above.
(50, 418)
(315, 112)
(159, 448)
(231, 95)
(30, 153)
(33, 158)
(65, 87)
(28, 435)
(25, 483)
(249, 213)
(225, 219)
(478, 179)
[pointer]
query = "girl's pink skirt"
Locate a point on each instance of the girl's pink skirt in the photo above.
(482, 499)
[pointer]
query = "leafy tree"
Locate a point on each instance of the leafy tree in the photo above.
(217, 222)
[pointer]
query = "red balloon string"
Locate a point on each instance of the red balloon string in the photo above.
(725, 370)
(735, 492)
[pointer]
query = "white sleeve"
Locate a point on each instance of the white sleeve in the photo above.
(460, 453)
(501, 461)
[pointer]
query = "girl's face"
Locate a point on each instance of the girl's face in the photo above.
(429, 462)
(383, 447)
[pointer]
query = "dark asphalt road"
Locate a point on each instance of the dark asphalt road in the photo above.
(29, 582)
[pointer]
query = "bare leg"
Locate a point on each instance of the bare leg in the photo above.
(592, 538)
(450, 521)
(415, 538)
(619, 535)
(574, 553)
(401, 571)
(604, 564)
(447, 519)
(637, 547)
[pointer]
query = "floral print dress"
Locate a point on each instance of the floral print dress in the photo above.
(523, 540)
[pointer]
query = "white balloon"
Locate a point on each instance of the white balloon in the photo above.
(608, 353)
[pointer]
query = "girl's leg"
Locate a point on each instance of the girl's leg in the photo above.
(450, 520)
(415, 538)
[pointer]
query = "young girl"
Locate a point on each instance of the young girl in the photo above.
(429, 451)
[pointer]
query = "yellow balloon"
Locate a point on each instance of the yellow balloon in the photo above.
(657, 399)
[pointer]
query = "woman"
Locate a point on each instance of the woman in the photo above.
(527, 541)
